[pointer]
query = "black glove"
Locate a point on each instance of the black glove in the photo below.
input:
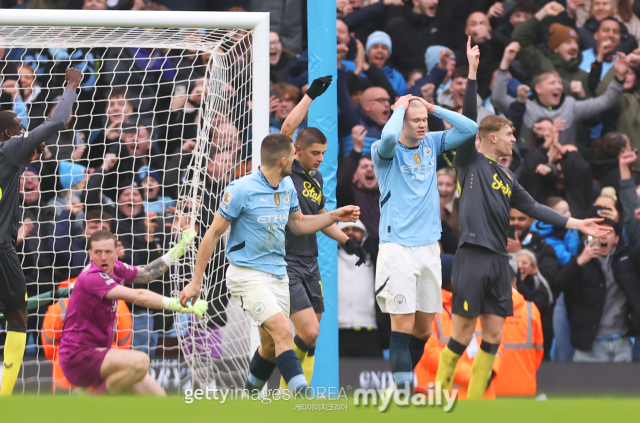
(319, 86)
(352, 248)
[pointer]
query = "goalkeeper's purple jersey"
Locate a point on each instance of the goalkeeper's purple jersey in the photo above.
(90, 316)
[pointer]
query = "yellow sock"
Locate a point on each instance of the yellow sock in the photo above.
(302, 356)
(447, 367)
(307, 367)
(480, 374)
(13, 354)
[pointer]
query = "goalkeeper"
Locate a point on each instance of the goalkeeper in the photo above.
(86, 356)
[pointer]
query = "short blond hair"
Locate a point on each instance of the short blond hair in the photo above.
(492, 124)
(416, 104)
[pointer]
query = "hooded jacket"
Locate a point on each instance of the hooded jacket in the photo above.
(565, 242)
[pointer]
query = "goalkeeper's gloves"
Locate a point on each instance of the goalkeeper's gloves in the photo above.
(319, 86)
(175, 253)
(352, 247)
(173, 304)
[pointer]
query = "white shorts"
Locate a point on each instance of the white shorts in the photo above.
(260, 294)
(409, 279)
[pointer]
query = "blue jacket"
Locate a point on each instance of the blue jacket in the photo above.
(395, 78)
(565, 241)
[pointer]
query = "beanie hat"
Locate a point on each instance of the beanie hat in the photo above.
(378, 37)
(146, 171)
(432, 56)
(559, 33)
(70, 174)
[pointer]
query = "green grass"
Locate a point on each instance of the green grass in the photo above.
(88, 409)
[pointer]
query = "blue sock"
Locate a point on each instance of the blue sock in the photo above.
(400, 358)
(291, 370)
(416, 349)
(260, 370)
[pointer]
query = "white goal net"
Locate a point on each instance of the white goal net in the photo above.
(165, 119)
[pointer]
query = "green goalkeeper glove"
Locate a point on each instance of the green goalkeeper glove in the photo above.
(172, 304)
(176, 253)
(199, 308)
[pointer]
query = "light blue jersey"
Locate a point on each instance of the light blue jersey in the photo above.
(409, 198)
(258, 214)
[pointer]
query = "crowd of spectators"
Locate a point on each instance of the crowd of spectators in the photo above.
(565, 73)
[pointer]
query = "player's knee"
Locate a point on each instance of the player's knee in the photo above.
(423, 334)
(17, 317)
(141, 365)
(310, 334)
(493, 335)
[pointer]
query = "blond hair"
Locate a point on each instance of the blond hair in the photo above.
(492, 124)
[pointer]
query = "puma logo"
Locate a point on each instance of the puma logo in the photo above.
(7, 365)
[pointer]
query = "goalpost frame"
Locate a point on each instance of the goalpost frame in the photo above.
(256, 21)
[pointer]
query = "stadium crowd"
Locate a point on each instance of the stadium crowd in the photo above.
(565, 73)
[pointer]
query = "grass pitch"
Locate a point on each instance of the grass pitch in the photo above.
(53, 409)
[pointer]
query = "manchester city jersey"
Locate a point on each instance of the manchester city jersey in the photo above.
(258, 214)
(409, 197)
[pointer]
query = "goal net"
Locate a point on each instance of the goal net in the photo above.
(165, 118)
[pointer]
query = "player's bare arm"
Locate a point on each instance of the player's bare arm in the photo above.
(303, 225)
(207, 247)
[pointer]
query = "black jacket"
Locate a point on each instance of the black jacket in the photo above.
(545, 255)
(411, 34)
(587, 285)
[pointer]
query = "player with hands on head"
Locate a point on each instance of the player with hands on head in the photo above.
(305, 281)
(17, 149)
(408, 278)
(259, 207)
(86, 356)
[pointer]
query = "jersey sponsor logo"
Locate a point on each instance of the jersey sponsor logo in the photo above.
(258, 308)
(416, 158)
(110, 281)
(309, 191)
(227, 196)
(498, 184)
(420, 170)
(286, 198)
(399, 300)
(276, 198)
(278, 221)
(427, 151)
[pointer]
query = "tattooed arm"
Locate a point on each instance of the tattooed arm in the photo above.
(151, 272)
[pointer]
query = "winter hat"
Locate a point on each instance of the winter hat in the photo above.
(378, 37)
(70, 174)
(432, 56)
(146, 171)
(357, 224)
(559, 33)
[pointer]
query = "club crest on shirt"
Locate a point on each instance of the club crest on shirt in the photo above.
(417, 158)
(427, 151)
(286, 198)
(227, 196)
(276, 198)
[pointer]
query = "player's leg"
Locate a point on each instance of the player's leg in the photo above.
(481, 370)
(422, 329)
(13, 302)
(396, 283)
(279, 328)
(307, 327)
(307, 339)
(263, 362)
(468, 285)
(497, 305)
(428, 299)
(127, 370)
(14, 346)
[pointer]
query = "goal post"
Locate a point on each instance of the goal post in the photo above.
(192, 125)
